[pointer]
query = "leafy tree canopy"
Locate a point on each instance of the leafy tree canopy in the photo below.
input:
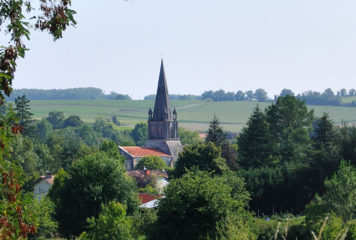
(188, 137)
(202, 156)
(111, 224)
(56, 119)
(112, 150)
(152, 163)
(196, 207)
(340, 196)
(140, 134)
(91, 181)
(72, 121)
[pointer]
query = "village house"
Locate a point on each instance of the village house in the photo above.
(43, 185)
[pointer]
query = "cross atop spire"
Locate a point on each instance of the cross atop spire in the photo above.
(162, 109)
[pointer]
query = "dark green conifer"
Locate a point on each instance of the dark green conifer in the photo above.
(255, 146)
(216, 133)
(23, 110)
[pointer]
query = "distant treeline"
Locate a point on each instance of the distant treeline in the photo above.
(326, 98)
(175, 97)
(67, 94)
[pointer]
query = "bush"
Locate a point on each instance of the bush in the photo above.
(112, 223)
(199, 206)
(152, 163)
(91, 181)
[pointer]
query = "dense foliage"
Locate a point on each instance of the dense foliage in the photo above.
(152, 163)
(285, 155)
(199, 206)
(111, 224)
(288, 160)
(91, 181)
(202, 156)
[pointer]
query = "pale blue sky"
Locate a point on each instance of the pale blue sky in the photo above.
(226, 44)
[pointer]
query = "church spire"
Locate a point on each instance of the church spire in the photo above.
(162, 109)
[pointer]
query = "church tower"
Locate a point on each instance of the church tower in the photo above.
(162, 127)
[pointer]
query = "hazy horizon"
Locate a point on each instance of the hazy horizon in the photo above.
(206, 45)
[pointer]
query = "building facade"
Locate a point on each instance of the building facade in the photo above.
(43, 185)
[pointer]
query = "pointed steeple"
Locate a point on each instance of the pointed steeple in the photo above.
(162, 109)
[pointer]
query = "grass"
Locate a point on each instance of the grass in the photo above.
(192, 115)
(348, 99)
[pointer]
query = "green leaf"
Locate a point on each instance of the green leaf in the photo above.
(4, 75)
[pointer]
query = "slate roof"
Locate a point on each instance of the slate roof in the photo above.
(162, 109)
(143, 152)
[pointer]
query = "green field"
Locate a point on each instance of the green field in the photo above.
(193, 115)
(348, 99)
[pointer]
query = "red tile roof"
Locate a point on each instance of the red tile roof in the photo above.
(202, 135)
(146, 197)
(143, 152)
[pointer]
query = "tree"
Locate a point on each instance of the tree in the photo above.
(56, 17)
(352, 92)
(290, 122)
(188, 137)
(240, 96)
(340, 195)
(348, 143)
(111, 149)
(261, 95)
(286, 92)
(343, 92)
(91, 181)
(278, 189)
(152, 163)
(23, 110)
(203, 156)
(43, 129)
(44, 209)
(111, 224)
(201, 205)
(328, 93)
(140, 134)
(56, 119)
(115, 120)
(87, 133)
(72, 121)
(229, 153)
(256, 148)
(16, 220)
(216, 133)
(52, 16)
(250, 95)
(23, 155)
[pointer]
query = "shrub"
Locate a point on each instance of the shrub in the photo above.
(152, 163)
